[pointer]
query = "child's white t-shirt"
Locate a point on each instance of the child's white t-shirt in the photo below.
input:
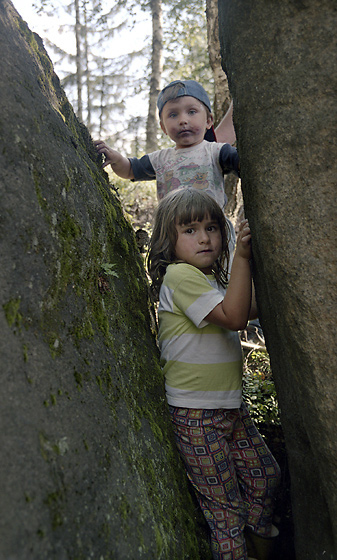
(202, 167)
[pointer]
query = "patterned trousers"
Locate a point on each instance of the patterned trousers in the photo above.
(233, 473)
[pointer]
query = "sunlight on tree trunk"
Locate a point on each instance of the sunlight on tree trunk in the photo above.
(234, 208)
(221, 91)
(87, 69)
(78, 61)
(156, 70)
(101, 104)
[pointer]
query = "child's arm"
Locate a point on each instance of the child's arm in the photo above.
(119, 164)
(254, 313)
(233, 312)
(225, 131)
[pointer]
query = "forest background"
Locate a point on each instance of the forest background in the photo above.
(113, 61)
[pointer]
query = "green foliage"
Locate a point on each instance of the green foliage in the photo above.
(259, 389)
(260, 395)
(110, 77)
(185, 38)
(138, 199)
(98, 71)
(109, 269)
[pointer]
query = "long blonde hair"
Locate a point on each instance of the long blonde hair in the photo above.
(181, 207)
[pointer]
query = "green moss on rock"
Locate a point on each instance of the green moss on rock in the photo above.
(12, 313)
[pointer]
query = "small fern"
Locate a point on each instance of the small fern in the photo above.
(108, 269)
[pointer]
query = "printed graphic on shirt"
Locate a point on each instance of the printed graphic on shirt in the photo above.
(196, 167)
(197, 176)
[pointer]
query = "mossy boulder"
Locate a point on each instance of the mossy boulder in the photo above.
(89, 467)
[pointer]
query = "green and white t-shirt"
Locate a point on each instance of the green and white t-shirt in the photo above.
(202, 362)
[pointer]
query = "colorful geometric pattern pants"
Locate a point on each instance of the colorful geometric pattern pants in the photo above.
(233, 473)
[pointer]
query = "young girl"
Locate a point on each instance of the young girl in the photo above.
(232, 471)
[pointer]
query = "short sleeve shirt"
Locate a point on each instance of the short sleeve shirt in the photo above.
(202, 167)
(202, 362)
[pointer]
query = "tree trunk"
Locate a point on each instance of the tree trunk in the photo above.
(102, 100)
(156, 71)
(222, 99)
(89, 467)
(79, 72)
(87, 69)
(280, 58)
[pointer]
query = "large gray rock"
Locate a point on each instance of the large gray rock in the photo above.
(88, 464)
(280, 58)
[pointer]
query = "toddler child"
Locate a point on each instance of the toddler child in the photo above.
(232, 471)
(186, 117)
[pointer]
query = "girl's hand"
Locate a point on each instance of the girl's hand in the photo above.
(233, 312)
(243, 244)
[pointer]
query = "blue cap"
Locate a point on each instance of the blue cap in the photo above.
(188, 87)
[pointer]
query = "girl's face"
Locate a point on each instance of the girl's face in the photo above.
(199, 243)
(185, 120)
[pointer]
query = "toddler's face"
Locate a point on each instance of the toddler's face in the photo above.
(185, 120)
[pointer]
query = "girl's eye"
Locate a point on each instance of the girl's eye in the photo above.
(189, 230)
(172, 115)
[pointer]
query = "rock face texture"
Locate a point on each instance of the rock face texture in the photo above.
(280, 58)
(88, 464)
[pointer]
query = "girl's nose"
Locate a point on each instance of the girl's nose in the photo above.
(204, 237)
